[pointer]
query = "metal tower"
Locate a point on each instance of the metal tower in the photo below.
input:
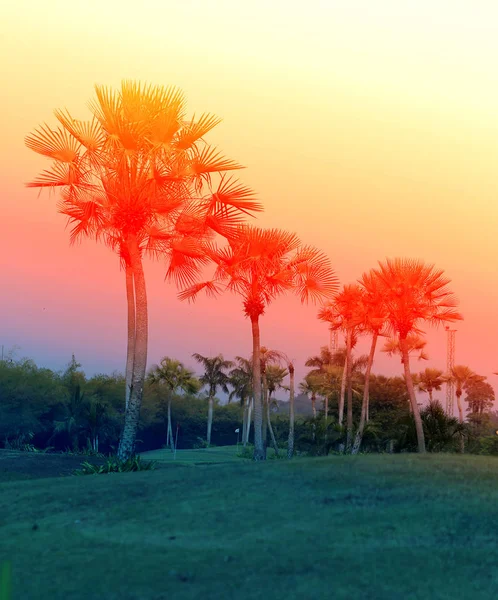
(450, 363)
(334, 339)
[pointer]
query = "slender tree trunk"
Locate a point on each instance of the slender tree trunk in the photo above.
(130, 301)
(244, 420)
(132, 416)
(290, 443)
(366, 390)
(343, 390)
(458, 395)
(96, 443)
(210, 419)
(259, 453)
(349, 437)
(265, 411)
(250, 407)
(169, 437)
(313, 409)
(270, 428)
(430, 395)
(411, 393)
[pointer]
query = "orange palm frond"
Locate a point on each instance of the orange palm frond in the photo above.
(212, 288)
(54, 143)
(196, 130)
(61, 174)
(88, 133)
(232, 194)
(209, 160)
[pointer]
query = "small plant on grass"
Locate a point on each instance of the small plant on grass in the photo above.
(114, 465)
(6, 581)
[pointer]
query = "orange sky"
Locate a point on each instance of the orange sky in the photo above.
(369, 128)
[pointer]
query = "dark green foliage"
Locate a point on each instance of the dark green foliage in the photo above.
(442, 433)
(114, 465)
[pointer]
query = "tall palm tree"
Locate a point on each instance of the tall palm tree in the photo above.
(241, 384)
(345, 313)
(430, 380)
(139, 177)
(175, 377)
(414, 293)
(260, 265)
(215, 376)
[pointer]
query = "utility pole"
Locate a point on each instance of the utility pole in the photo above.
(450, 363)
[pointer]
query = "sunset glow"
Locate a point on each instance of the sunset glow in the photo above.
(369, 129)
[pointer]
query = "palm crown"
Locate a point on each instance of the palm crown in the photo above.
(262, 264)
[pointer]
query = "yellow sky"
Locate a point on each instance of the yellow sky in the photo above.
(368, 127)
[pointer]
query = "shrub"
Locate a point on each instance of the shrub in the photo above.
(134, 463)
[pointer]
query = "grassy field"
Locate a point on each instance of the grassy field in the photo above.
(368, 527)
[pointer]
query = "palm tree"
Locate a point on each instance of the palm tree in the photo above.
(260, 265)
(241, 383)
(414, 293)
(430, 380)
(345, 313)
(311, 386)
(328, 367)
(214, 377)
(275, 375)
(174, 376)
(139, 177)
(461, 376)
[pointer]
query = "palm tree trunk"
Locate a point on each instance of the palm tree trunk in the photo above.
(244, 420)
(130, 300)
(210, 419)
(430, 395)
(259, 453)
(270, 428)
(265, 410)
(313, 409)
(250, 406)
(411, 393)
(290, 443)
(366, 389)
(132, 416)
(169, 436)
(349, 370)
(458, 395)
(343, 390)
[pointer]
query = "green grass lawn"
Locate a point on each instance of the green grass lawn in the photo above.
(367, 527)
(224, 454)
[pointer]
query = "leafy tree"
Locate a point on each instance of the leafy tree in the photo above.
(480, 397)
(215, 376)
(260, 265)
(139, 177)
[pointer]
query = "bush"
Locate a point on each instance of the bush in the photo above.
(134, 463)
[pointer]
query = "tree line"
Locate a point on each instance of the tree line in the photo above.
(43, 410)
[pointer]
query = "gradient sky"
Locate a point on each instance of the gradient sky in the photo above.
(368, 128)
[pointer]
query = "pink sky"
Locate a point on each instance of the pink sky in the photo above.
(370, 132)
